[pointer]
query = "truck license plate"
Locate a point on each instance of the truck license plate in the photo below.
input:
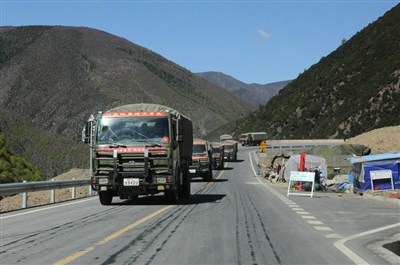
(192, 170)
(131, 182)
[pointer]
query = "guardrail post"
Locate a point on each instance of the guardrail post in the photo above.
(52, 195)
(73, 192)
(24, 198)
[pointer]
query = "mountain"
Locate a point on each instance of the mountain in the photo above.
(255, 94)
(54, 77)
(353, 90)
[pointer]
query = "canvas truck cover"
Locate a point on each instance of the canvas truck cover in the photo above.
(225, 137)
(156, 109)
(258, 135)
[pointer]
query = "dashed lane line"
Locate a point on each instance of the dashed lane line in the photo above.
(323, 228)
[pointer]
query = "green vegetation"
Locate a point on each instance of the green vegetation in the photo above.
(14, 168)
(17, 40)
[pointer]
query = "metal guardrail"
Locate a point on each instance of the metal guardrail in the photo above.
(24, 187)
(302, 144)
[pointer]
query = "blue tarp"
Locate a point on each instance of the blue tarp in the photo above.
(388, 161)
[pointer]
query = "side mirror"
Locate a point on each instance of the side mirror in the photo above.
(86, 134)
(87, 130)
(179, 129)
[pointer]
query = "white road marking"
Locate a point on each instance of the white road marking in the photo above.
(353, 256)
(313, 222)
(323, 228)
(303, 213)
(308, 217)
(333, 236)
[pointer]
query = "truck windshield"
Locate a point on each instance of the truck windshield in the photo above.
(215, 150)
(228, 147)
(126, 130)
(199, 149)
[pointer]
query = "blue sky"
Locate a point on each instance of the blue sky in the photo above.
(252, 41)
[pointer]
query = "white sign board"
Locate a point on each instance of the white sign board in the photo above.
(381, 174)
(299, 176)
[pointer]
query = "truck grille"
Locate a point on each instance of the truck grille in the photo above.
(132, 164)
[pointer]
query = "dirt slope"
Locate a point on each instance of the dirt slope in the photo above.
(383, 140)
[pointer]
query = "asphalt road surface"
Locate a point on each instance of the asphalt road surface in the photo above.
(238, 218)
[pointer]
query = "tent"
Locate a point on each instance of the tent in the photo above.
(311, 162)
(364, 165)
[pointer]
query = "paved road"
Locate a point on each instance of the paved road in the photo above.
(236, 219)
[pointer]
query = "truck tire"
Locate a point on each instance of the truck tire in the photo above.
(209, 174)
(172, 196)
(105, 197)
(185, 187)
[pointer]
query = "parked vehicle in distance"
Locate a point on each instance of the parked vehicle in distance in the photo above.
(230, 150)
(217, 155)
(201, 160)
(140, 149)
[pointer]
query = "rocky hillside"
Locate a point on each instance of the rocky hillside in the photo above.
(353, 90)
(53, 78)
(255, 94)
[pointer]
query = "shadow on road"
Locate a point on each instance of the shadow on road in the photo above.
(237, 161)
(160, 200)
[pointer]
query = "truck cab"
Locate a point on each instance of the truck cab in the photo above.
(243, 139)
(201, 160)
(230, 150)
(217, 155)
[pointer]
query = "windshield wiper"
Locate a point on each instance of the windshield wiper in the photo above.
(154, 145)
(117, 145)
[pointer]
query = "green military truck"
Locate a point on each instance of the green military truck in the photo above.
(230, 150)
(217, 152)
(255, 138)
(140, 149)
(201, 160)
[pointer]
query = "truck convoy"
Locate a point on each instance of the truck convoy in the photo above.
(217, 151)
(201, 160)
(253, 138)
(140, 149)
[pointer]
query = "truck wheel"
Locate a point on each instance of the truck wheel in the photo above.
(172, 196)
(209, 174)
(185, 188)
(105, 197)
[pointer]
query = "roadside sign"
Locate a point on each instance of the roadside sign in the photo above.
(300, 176)
(381, 174)
(263, 147)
